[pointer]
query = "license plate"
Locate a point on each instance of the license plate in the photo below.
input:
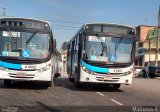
(117, 70)
(107, 78)
(21, 75)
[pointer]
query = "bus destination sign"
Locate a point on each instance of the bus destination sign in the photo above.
(24, 24)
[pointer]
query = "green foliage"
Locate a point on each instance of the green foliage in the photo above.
(64, 46)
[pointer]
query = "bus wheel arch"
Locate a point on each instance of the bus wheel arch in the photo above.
(77, 82)
(70, 78)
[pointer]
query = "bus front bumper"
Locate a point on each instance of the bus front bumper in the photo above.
(109, 79)
(26, 75)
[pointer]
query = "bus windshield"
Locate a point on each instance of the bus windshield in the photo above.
(108, 49)
(24, 44)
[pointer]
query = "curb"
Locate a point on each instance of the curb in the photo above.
(157, 78)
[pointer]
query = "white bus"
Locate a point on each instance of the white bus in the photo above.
(26, 50)
(102, 53)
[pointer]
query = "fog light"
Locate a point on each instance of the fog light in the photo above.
(87, 79)
(127, 81)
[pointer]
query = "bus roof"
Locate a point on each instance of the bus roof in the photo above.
(24, 19)
(105, 23)
(97, 23)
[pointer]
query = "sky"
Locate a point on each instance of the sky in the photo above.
(67, 16)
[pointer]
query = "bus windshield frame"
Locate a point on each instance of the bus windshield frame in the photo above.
(21, 41)
(108, 49)
(110, 43)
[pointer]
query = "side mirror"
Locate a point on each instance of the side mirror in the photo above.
(54, 43)
(84, 55)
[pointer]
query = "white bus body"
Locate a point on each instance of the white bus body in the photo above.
(26, 50)
(102, 53)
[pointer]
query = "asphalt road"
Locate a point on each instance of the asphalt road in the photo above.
(25, 96)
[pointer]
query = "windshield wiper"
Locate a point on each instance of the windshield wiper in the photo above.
(10, 34)
(31, 37)
(104, 48)
(117, 45)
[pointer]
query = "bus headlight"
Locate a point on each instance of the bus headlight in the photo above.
(84, 68)
(129, 72)
(44, 68)
(88, 71)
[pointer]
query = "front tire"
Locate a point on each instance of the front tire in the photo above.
(152, 75)
(7, 82)
(116, 86)
(49, 83)
(70, 78)
(77, 82)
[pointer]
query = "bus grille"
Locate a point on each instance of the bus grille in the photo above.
(21, 75)
(108, 80)
(22, 70)
(111, 79)
(111, 74)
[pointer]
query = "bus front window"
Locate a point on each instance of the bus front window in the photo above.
(24, 44)
(37, 44)
(96, 49)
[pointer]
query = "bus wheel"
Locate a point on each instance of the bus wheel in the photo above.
(116, 86)
(77, 83)
(70, 78)
(152, 75)
(7, 82)
(49, 83)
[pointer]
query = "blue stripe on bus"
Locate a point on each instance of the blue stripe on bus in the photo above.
(10, 65)
(95, 69)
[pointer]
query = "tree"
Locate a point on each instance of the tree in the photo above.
(64, 46)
